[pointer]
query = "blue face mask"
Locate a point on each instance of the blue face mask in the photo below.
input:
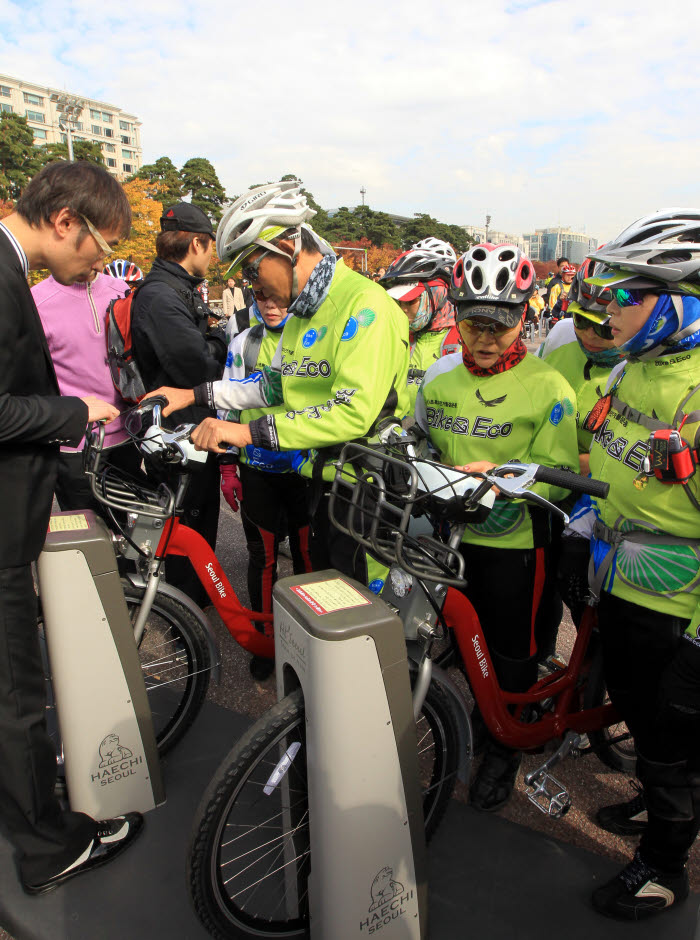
(663, 322)
(425, 310)
(605, 357)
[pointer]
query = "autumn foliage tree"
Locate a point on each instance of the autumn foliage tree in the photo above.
(140, 246)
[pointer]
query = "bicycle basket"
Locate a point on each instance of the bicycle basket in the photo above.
(375, 498)
(115, 488)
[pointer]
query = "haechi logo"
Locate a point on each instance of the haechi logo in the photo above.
(216, 579)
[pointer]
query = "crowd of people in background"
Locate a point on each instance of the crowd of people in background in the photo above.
(309, 354)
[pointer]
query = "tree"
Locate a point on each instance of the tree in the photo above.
(164, 181)
(19, 158)
(201, 184)
(88, 150)
(140, 245)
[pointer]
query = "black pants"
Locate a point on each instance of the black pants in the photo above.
(639, 646)
(331, 548)
(73, 486)
(46, 839)
(269, 501)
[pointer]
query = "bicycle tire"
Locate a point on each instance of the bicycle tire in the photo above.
(176, 662)
(614, 745)
(232, 804)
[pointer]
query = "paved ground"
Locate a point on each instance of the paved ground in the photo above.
(589, 782)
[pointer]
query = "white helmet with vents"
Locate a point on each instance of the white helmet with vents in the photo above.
(258, 216)
(663, 246)
(436, 247)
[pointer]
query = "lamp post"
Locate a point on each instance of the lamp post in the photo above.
(69, 110)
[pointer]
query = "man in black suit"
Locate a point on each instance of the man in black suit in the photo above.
(66, 220)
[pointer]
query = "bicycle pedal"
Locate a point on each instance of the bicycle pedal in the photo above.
(549, 796)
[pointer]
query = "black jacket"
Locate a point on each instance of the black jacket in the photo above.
(172, 343)
(34, 419)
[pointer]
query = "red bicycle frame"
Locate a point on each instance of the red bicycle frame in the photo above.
(179, 539)
(493, 702)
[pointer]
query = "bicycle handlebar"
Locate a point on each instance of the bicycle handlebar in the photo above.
(569, 480)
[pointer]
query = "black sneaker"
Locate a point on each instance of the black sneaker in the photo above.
(111, 838)
(640, 891)
(495, 778)
(625, 819)
(261, 667)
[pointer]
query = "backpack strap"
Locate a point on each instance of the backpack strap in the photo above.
(251, 347)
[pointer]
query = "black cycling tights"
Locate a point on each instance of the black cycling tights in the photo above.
(272, 502)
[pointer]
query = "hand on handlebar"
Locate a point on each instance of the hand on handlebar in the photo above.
(99, 410)
(211, 434)
(178, 398)
(480, 466)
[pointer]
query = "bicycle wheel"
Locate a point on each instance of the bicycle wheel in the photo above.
(176, 664)
(249, 858)
(614, 745)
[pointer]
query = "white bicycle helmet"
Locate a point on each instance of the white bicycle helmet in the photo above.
(250, 221)
(436, 247)
(663, 246)
(494, 274)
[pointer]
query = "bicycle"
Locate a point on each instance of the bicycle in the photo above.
(249, 861)
(176, 643)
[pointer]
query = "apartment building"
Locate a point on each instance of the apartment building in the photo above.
(50, 111)
(481, 234)
(547, 244)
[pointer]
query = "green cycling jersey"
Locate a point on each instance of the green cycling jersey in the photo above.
(526, 413)
(659, 575)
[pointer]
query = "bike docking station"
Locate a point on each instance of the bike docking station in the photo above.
(111, 758)
(346, 649)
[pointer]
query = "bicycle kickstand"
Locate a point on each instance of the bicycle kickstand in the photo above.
(546, 792)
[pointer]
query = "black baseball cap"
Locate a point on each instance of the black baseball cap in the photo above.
(184, 217)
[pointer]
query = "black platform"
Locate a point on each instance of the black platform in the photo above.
(489, 878)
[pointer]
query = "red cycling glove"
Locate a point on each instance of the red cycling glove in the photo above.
(231, 486)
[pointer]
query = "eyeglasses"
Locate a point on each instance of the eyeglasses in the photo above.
(250, 271)
(493, 329)
(600, 329)
(101, 243)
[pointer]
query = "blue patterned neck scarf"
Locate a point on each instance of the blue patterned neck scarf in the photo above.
(663, 323)
(315, 290)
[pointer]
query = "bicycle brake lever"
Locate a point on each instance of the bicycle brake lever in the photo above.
(518, 485)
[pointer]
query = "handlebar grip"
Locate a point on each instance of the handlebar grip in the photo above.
(569, 480)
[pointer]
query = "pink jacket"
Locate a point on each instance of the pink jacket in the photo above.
(74, 323)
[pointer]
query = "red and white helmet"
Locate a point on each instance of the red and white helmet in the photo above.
(125, 270)
(496, 274)
(568, 269)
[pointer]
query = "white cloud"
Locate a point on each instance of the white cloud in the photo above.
(535, 113)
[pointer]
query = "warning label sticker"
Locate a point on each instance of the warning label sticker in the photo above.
(68, 523)
(327, 597)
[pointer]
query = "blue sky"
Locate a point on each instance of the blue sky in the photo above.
(538, 112)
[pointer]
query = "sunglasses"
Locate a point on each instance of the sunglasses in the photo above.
(101, 243)
(250, 271)
(600, 329)
(493, 329)
(628, 297)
